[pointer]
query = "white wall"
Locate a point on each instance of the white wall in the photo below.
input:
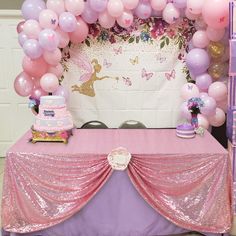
(11, 4)
(15, 117)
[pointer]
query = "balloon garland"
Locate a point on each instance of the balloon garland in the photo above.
(49, 27)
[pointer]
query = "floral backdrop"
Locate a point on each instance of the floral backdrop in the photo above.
(135, 73)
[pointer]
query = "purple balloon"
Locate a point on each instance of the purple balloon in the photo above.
(203, 81)
(197, 61)
(48, 40)
(61, 91)
(32, 49)
(23, 84)
(89, 15)
(98, 5)
(143, 10)
(67, 22)
(180, 3)
(22, 38)
(32, 8)
(209, 107)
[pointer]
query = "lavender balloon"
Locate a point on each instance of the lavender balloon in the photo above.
(197, 61)
(32, 49)
(61, 91)
(98, 5)
(32, 8)
(89, 15)
(203, 81)
(143, 10)
(67, 22)
(23, 84)
(48, 40)
(180, 3)
(22, 38)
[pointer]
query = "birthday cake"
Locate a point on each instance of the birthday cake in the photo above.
(185, 131)
(53, 115)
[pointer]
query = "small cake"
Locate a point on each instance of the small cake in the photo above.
(53, 115)
(185, 131)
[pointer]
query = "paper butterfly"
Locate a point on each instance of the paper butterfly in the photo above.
(106, 63)
(134, 61)
(118, 50)
(53, 21)
(160, 58)
(171, 75)
(83, 62)
(222, 19)
(146, 75)
(127, 81)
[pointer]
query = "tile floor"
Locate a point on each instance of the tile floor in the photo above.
(1, 179)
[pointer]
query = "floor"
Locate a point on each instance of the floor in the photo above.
(1, 179)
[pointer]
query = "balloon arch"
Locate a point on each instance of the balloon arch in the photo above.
(49, 27)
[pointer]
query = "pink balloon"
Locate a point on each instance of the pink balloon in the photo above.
(105, 20)
(203, 95)
(218, 119)
(143, 10)
(63, 37)
(20, 27)
(31, 9)
(209, 107)
(195, 7)
(223, 105)
(200, 39)
(35, 68)
(22, 38)
(184, 111)
(49, 82)
(171, 13)
(67, 22)
(81, 31)
(216, 13)
(57, 70)
(203, 121)
(76, 7)
(130, 4)
(218, 91)
(189, 90)
(203, 81)
(215, 34)
(115, 8)
(63, 92)
(126, 19)
(53, 58)
(190, 15)
(158, 5)
(57, 6)
(37, 93)
(32, 29)
(36, 82)
(48, 40)
(23, 84)
(98, 5)
(48, 19)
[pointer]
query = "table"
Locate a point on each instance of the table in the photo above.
(191, 188)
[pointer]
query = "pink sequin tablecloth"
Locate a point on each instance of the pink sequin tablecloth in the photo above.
(186, 181)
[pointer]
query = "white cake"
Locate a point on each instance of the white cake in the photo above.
(53, 115)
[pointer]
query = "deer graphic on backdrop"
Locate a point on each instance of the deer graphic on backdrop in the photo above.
(90, 76)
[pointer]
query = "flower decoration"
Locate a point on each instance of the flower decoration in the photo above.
(34, 105)
(194, 105)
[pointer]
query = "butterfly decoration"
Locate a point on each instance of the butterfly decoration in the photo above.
(118, 50)
(170, 75)
(83, 63)
(146, 75)
(53, 21)
(106, 63)
(127, 81)
(160, 58)
(190, 87)
(222, 19)
(134, 61)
